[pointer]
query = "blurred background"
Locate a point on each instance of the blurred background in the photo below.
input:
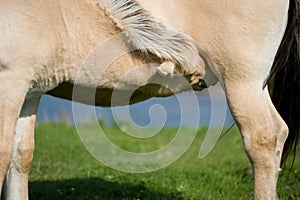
(58, 110)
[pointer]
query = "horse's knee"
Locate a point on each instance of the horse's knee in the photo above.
(264, 143)
(24, 137)
(261, 145)
(24, 160)
(23, 157)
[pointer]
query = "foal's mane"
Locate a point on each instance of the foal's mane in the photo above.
(150, 36)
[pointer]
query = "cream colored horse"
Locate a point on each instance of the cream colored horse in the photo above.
(43, 43)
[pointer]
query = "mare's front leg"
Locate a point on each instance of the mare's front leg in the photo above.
(13, 89)
(263, 131)
(17, 177)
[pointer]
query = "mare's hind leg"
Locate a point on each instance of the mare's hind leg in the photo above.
(262, 129)
(12, 93)
(17, 177)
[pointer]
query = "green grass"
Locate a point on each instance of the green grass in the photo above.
(63, 169)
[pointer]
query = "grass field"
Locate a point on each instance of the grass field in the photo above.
(63, 169)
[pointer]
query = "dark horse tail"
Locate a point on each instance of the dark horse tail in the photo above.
(284, 82)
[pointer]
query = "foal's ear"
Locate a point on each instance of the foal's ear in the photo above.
(167, 68)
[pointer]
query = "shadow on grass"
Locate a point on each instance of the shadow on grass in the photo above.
(94, 188)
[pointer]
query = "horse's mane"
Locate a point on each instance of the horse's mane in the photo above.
(284, 81)
(150, 36)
